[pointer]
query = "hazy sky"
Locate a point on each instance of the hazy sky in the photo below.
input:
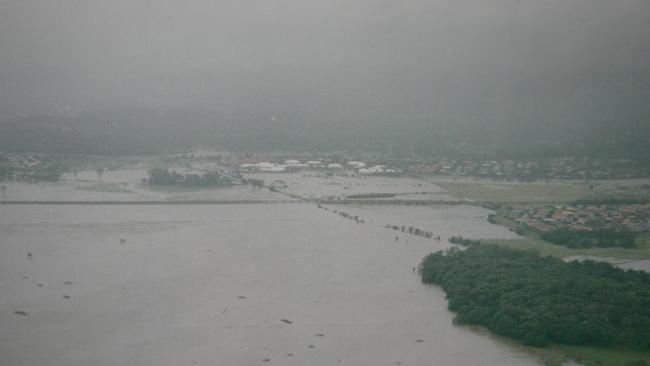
(467, 63)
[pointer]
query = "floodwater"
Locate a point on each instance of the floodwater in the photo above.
(445, 221)
(320, 185)
(126, 185)
(245, 284)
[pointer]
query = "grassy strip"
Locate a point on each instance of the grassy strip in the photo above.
(105, 188)
(163, 188)
(520, 229)
(559, 251)
(530, 192)
(370, 196)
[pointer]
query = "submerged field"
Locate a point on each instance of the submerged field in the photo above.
(224, 284)
(319, 185)
(127, 185)
(514, 192)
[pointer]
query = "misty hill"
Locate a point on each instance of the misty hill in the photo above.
(445, 77)
(149, 131)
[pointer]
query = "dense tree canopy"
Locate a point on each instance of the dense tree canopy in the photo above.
(543, 300)
(159, 176)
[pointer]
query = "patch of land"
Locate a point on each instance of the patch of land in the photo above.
(531, 241)
(487, 191)
(105, 188)
(522, 192)
(606, 215)
(319, 186)
(554, 250)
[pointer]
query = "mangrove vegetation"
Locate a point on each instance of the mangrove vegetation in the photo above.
(543, 300)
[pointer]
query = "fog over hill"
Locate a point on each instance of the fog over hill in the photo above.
(136, 77)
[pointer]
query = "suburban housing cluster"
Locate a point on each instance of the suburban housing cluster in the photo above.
(29, 168)
(293, 165)
(586, 169)
(587, 217)
(556, 168)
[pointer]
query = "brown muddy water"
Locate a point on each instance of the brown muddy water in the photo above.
(284, 284)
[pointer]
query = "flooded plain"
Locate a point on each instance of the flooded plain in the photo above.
(245, 284)
(317, 185)
(126, 185)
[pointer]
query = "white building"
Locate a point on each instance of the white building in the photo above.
(248, 168)
(270, 167)
(296, 166)
(378, 169)
(357, 164)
